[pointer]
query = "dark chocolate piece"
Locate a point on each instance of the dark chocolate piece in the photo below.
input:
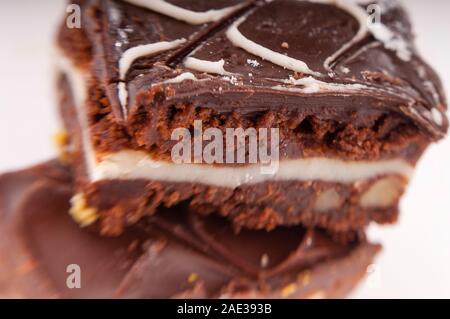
(336, 88)
(174, 254)
(398, 96)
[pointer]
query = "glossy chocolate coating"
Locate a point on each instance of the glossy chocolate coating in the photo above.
(304, 30)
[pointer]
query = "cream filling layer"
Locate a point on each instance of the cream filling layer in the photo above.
(129, 165)
(138, 165)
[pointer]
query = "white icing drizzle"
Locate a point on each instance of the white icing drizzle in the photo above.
(363, 49)
(359, 14)
(391, 40)
(383, 34)
(131, 55)
(232, 80)
(431, 88)
(181, 78)
(312, 85)
(189, 16)
(186, 76)
(239, 40)
(123, 97)
(213, 67)
(436, 115)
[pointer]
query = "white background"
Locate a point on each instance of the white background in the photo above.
(415, 262)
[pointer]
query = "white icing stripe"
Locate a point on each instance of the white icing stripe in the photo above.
(138, 165)
(311, 86)
(132, 54)
(187, 76)
(212, 67)
(381, 32)
(181, 78)
(123, 97)
(189, 16)
(239, 40)
(360, 15)
(391, 41)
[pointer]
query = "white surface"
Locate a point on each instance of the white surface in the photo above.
(416, 258)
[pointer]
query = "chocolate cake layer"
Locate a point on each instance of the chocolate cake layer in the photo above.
(352, 102)
(174, 254)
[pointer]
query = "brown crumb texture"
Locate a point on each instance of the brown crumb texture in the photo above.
(262, 206)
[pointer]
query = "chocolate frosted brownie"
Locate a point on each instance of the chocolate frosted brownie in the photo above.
(334, 90)
(174, 254)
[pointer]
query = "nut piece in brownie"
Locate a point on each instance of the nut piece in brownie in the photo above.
(39, 243)
(353, 104)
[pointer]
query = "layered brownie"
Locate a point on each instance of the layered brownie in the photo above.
(332, 94)
(173, 254)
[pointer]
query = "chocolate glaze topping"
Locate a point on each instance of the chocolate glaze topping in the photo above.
(374, 73)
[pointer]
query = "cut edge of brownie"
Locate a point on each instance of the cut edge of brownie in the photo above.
(339, 207)
(378, 136)
(110, 134)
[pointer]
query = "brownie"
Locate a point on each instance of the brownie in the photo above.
(175, 254)
(352, 103)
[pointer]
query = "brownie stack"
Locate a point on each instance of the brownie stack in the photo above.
(350, 106)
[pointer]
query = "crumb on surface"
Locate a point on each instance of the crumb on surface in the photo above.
(193, 277)
(288, 290)
(305, 277)
(81, 212)
(61, 140)
(253, 63)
